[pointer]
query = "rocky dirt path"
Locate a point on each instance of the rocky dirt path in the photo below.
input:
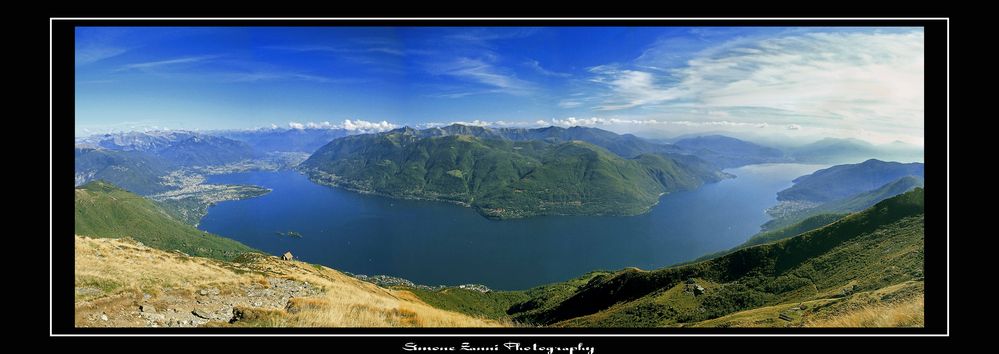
(184, 308)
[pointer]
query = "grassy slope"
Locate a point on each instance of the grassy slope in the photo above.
(502, 178)
(806, 225)
(897, 305)
(103, 210)
(471, 302)
(123, 271)
(879, 247)
(499, 304)
(803, 226)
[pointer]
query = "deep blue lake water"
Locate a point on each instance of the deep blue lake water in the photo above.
(438, 243)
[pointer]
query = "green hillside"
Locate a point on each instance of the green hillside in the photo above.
(871, 258)
(503, 178)
(104, 210)
(788, 231)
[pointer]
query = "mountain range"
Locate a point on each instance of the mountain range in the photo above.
(833, 150)
(842, 181)
(509, 173)
(285, 140)
(138, 161)
(726, 152)
(502, 172)
(132, 170)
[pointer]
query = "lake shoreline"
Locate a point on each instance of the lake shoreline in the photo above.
(428, 242)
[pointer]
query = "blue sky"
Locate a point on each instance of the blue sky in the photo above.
(778, 83)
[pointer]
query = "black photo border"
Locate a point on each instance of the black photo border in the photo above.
(936, 127)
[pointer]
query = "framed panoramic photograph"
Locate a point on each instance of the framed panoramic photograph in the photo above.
(429, 179)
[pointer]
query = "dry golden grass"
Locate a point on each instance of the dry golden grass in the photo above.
(137, 268)
(908, 313)
(120, 267)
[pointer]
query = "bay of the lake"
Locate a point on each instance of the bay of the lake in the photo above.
(439, 243)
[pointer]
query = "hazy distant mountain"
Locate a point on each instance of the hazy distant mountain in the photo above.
(135, 171)
(138, 161)
(842, 181)
(173, 148)
(832, 150)
(285, 140)
(835, 209)
(136, 141)
(727, 152)
(204, 150)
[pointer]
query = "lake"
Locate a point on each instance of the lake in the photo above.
(439, 243)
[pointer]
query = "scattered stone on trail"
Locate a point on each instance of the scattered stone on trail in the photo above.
(197, 307)
(210, 291)
(291, 307)
(88, 291)
(153, 317)
(237, 314)
(201, 313)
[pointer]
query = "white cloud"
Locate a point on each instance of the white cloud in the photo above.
(793, 127)
(631, 88)
(534, 64)
(168, 62)
(430, 125)
(483, 73)
(833, 82)
(478, 123)
(573, 121)
(592, 121)
(569, 104)
(368, 127)
(95, 53)
(849, 76)
(263, 75)
(353, 125)
(384, 49)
